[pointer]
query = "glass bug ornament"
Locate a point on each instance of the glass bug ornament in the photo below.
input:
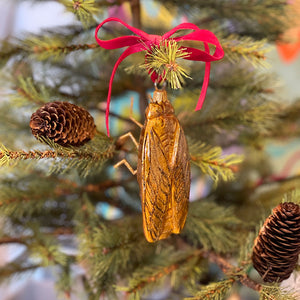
(163, 170)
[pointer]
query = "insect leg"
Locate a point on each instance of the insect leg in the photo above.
(129, 135)
(126, 163)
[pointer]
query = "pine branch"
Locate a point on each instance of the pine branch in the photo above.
(287, 123)
(213, 163)
(251, 116)
(214, 291)
(163, 60)
(53, 47)
(242, 17)
(274, 180)
(24, 239)
(92, 154)
(274, 292)
(143, 279)
(12, 240)
(64, 282)
(27, 91)
(7, 50)
(83, 9)
(228, 269)
(49, 45)
(7, 156)
(113, 249)
(12, 269)
(64, 49)
(241, 123)
(246, 48)
(47, 252)
(212, 226)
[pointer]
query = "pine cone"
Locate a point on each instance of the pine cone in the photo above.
(277, 246)
(65, 123)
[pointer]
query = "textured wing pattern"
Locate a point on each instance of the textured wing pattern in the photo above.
(156, 186)
(164, 178)
(181, 181)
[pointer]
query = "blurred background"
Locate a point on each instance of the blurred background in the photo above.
(17, 17)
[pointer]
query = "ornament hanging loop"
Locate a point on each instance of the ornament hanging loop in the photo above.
(163, 85)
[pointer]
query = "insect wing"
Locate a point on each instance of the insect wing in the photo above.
(181, 174)
(164, 177)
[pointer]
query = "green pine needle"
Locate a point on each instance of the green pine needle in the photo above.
(292, 196)
(28, 91)
(213, 163)
(47, 253)
(253, 51)
(274, 292)
(164, 60)
(52, 46)
(166, 263)
(85, 159)
(112, 250)
(212, 226)
(214, 291)
(83, 9)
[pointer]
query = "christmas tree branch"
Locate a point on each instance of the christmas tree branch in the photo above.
(247, 48)
(214, 291)
(28, 91)
(116, 249)
(53, 45)
(115, 115)
(249, 115)
(250, 15)
(83, 9)
(12, 240)
(15, 201)
(213, 163)
(65, 49)
(159, 272)
(9, 155)
(270, 292)
(11, 269)
(45, 51)
(89, 155)
(253, 122)
(212, 227)
(275, 180)
(23, 239)
(230, 270)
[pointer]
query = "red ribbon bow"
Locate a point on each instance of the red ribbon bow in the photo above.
(143, 42)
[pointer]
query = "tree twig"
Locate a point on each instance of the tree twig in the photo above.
(227, 268)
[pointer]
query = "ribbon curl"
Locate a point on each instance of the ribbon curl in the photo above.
(143, 41)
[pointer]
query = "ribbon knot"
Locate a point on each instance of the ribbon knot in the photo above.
(143, 42)
(155, 39)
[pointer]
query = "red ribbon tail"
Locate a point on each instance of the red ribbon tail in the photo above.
(205, 82)
(142, 41)
(130, 50)
(204, 87)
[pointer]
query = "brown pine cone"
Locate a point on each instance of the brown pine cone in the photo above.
(65, 123)
(277, 246)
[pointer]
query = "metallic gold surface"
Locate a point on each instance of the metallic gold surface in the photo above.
(163, 170)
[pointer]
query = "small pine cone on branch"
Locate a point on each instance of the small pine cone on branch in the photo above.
(64, 123)
(277, 246)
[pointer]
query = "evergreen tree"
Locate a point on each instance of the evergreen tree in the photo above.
(55, 188)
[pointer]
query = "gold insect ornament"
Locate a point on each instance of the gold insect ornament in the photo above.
(163, 170)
